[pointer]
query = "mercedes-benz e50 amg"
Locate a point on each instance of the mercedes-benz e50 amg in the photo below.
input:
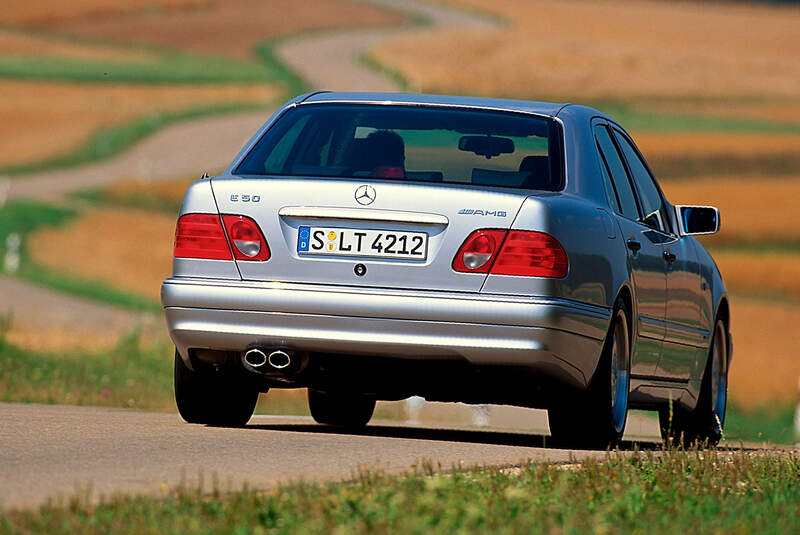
(377, 246)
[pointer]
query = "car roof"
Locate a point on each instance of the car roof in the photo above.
(540, 108)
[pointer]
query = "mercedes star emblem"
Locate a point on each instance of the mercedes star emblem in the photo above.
(365, 194)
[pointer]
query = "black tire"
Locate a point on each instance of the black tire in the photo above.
(703, 425)
(341, 410)
(596, 417)
(212, 398)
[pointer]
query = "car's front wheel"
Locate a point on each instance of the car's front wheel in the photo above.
(596, 418)
(703, 425)
(340, 409)
(213, 398)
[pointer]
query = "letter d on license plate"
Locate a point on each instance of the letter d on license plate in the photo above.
(362, 242)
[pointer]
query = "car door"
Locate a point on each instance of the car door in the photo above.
(645, 249)
(683, 335)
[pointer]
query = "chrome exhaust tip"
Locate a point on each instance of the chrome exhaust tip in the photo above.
(255, 358)
(279, 360)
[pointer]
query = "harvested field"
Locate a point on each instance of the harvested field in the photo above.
(616, 49)
(229, 28)
(753, 209)
(696, 144)
(765, 366)
(777, 110)
(45, 12)
(133, 254)
(775, 273)
(49, 119)
(14, 43)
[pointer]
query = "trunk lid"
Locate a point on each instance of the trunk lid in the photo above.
(342, 209)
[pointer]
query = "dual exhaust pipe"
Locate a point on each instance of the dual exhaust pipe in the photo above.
(276, 361)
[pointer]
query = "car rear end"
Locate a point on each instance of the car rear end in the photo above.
(369, 245)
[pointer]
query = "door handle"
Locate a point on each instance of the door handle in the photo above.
(670, 257)
(634, 245)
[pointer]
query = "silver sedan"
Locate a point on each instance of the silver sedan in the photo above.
(378, 246)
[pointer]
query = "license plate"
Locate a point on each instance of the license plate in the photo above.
(362, 242)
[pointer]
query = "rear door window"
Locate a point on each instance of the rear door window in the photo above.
(621, 184)
(655, 213)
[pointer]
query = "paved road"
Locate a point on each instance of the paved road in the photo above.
(57, 451)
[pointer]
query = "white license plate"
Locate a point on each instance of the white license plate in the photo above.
(362, 242)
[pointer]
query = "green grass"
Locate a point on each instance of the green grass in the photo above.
(131, 374)
(142, 200)
(690, 492)
(24, 217)
(170, 68)
(771, 423)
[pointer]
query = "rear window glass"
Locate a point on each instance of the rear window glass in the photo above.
(411, 143)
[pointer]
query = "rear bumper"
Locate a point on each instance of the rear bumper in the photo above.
(559, 337)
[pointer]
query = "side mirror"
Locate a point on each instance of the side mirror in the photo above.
(697, 220)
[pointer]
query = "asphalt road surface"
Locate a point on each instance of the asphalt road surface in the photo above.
(58, 451)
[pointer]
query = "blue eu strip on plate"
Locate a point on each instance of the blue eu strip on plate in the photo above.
(303, 237)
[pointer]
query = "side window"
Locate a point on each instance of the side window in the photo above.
(619, 177)
(611, 192)
(654, 215)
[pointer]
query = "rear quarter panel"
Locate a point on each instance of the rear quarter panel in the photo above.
(596, 252)
(199, 199)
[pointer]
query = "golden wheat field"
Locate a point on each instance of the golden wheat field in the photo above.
(558, 49)
(772, 273)
(703, 144)
(53, 118)
(229, 28)
(765, 366)
(44, 12)
(138, 259)
(20, 44)
(753, 209)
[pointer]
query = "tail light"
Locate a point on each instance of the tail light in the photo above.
(204, 236)
(521, 253)
(247, 239)
(201, 236)
(478, 250)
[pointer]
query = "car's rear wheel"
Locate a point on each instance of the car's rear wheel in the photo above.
(213, 398)
(596, 418)
(703, 425)
(340, 409)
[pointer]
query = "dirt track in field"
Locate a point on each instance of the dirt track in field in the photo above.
(204, 145)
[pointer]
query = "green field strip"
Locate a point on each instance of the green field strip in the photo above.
(131, 374)
(25, 217)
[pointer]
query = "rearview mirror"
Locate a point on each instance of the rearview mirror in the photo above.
(697, 220)
(486, 145)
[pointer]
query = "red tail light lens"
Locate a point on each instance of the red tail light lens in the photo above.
(531, 254)
(247, 239)
(518, 252)
(477, 251)
(201, 236)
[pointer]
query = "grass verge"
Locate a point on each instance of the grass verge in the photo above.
(22, 218)
(131, 374)
(697, 492)
(770, 423)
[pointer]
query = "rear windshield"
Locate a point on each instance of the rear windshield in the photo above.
(411, 143)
